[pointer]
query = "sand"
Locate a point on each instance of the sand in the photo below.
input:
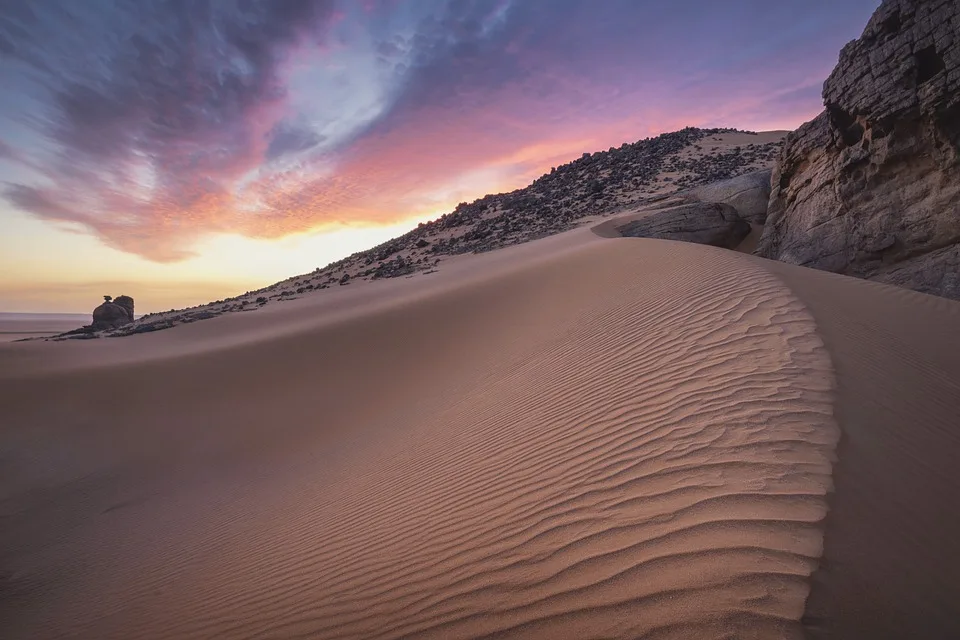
(892, 567)
(578, 437)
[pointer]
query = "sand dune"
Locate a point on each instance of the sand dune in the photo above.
(578, 437)
(891, 567)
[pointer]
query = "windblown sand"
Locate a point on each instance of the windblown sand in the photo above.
(579, 437)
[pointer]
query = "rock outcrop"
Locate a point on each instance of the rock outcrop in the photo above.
(749, 194)
(127, 303)
(112, 314)
(871, 187)
(714, 224)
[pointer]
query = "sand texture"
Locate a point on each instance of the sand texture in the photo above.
(892, 549)
(576, 437)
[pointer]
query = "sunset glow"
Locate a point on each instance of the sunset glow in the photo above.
(187, 151)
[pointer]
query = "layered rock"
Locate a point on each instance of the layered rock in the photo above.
(871, 187)
(714, 224)
(749, 194)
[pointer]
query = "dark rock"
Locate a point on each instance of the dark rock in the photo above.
(113, 314)
(714, 224)
(82, 333)
(749, 194)
(871, 187)
(127, 303)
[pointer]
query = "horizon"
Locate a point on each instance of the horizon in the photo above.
(293, 135)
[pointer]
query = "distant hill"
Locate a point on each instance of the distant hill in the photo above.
(592, 186)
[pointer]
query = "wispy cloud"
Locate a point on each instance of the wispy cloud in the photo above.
(165, 120)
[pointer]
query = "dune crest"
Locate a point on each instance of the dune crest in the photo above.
(627, 437)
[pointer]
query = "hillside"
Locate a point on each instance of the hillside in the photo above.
(594, 185)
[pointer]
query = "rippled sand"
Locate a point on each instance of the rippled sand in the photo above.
(580, 437)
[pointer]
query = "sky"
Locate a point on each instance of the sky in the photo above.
(181, 151)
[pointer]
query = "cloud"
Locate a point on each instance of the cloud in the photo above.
(7, 152)
(157, 109)
(290, 138)
(164, 120)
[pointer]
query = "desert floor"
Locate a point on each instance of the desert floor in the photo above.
(577, 437)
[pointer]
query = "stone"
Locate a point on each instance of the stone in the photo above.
(749, 194)
(936, 273)
(127, 303)
(113, 314)
(871, 186)
(711, 223)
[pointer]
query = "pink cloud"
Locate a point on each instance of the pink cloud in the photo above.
(188, 128)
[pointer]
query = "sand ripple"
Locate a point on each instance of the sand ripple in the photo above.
(633, 438)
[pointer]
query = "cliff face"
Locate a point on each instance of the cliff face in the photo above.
(871, 187)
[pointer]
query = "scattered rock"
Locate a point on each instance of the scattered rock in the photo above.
(871, 187)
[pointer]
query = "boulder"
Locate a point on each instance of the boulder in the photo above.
(712, 223)
(749, 194)
(871, 187)
(113, 314)
(127, 303)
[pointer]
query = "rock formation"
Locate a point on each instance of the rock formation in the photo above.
(127, 303)
(112, 313)
(871, 187)
(749, 194)
(714, 224)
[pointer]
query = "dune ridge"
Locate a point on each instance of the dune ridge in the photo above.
(890, 567)
(620, 438)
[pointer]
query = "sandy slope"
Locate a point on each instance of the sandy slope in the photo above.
(578, 437)
(892, 562)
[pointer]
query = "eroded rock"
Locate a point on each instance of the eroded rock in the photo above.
(715, 224)
(871, 187)
(112, 314)
(749, 194)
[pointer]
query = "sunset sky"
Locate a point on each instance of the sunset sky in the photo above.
(186, 150)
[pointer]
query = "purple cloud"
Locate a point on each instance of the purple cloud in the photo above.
(157, 121)
(159, 109)
(291, 138)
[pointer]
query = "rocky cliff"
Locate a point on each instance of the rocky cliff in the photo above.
(871, 187)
